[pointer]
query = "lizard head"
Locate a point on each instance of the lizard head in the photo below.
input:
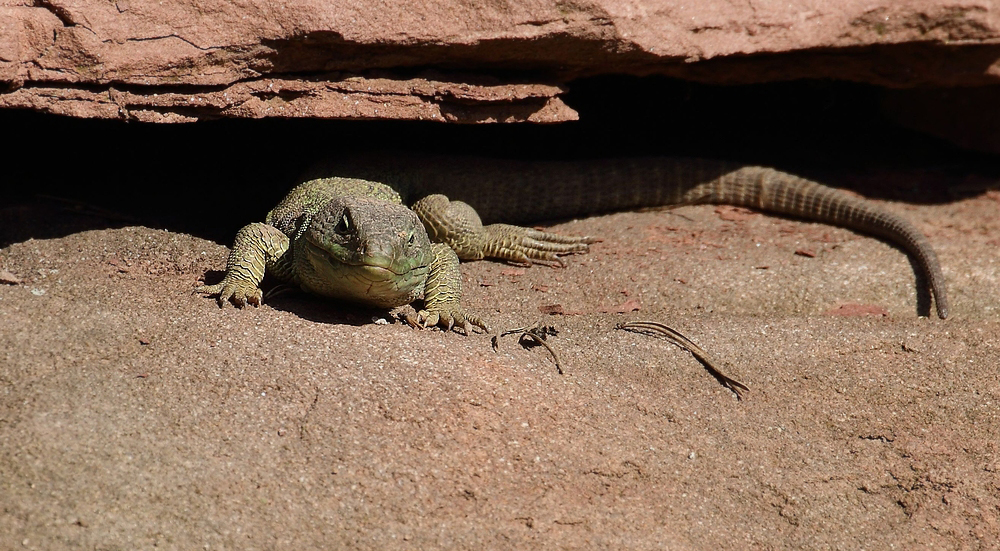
(364, 250)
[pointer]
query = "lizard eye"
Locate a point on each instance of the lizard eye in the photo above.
(344, 226)
(412, 239)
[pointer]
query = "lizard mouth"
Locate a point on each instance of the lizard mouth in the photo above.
(373, 281)
(376, 271)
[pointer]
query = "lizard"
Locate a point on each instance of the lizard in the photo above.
(353, 237)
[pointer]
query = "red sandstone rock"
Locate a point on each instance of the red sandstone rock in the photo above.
(181, 60)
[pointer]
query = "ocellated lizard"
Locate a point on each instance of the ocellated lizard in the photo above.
(351, 237)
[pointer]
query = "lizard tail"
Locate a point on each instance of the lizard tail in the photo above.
(770, 190)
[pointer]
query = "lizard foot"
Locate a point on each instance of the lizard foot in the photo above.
(522, 245)
(257, 245)
(240, 293)
(447, 319)
(458, 225)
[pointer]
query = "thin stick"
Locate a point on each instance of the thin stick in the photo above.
(658, 329)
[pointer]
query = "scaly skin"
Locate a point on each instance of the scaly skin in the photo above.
(351, 238)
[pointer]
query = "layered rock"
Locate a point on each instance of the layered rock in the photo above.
(451, 60)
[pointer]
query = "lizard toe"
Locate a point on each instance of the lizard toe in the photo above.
(255, 297)
(476, 321)
(522, 245)
(427, 319)
(208, 289)
(242, 297)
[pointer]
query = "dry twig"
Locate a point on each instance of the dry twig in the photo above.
(660, 330)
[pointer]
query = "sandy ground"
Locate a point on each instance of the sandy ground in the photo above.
(136, 415)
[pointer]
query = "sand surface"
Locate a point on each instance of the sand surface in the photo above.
(136, 415)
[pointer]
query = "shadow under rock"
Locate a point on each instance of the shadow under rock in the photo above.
(63, 175)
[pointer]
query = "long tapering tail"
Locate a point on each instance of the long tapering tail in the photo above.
(771, 190)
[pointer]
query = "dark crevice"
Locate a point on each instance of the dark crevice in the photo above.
(879, 437)
(178, 37)
(64, 15)
(60, 12)
(138, 89)
(287, 95)
(210, 178)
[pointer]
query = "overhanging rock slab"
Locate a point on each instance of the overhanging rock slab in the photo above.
(183, 60)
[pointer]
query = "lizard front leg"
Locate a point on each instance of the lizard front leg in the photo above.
(443, 294)
(257, 247)
(458, 225)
